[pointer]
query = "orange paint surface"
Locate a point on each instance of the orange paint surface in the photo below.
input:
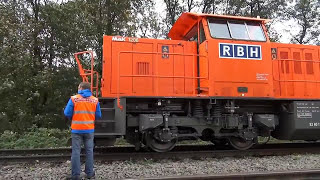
(153, 67)
(141, 69)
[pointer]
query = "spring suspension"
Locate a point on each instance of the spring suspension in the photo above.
(217, 113)
(217, 109)
(197, 109)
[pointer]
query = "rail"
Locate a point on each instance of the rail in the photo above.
(84, 73)
(265, 175)
(153, 70)
(179, 152)
(290, 72)
(285, 70)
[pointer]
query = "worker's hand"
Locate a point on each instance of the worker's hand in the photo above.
(66, 119)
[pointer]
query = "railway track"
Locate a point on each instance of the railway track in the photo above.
(306, 174)
(179, 152)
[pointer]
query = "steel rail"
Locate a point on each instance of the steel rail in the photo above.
(180, 152)
(190, 147)
(265, 175)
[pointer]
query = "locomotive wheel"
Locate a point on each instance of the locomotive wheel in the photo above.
(157, 145)
(240, 144)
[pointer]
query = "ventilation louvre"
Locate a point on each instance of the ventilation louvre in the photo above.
(143, 68)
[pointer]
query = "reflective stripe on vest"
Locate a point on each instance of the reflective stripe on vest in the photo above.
(82, 122)
(83, 112)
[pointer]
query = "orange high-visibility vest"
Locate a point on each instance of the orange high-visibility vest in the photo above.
(83, 112)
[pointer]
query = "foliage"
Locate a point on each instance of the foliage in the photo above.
(37, 42)
(146, 21)
(34, 138)
(121, 142)
(306, 14)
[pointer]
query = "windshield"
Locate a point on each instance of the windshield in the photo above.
(236, 30)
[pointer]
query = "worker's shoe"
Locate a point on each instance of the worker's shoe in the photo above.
(90, 176)
(70, 177)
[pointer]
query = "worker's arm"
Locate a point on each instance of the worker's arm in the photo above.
(98, 111)
(68, 110)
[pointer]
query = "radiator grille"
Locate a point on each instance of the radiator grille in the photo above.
(142, 68)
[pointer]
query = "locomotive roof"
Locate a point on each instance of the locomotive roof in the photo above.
(187, 20)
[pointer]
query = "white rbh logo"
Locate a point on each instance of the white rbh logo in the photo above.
(240, 51)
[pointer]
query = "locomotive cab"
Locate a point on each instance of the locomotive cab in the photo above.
(236, 51)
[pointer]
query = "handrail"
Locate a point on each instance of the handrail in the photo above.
(284, 74)
(294, 60)
(84, 73)
(297, 60)
(156, 76)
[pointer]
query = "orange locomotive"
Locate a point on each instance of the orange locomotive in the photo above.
(219, 78)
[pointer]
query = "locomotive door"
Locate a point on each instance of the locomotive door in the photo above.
(286, 72)
(142, 69)
(303, 72)
(203, 84)
(297, 72)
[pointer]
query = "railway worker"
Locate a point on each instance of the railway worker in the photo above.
(82, 109)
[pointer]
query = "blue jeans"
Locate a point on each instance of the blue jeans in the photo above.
(87, 139)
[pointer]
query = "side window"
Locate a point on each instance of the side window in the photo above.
(192, 35)
(194, 38)
(255, 31)
(238, 30)
(202, 35)
(219, 28)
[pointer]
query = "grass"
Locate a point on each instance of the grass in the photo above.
(35, 138)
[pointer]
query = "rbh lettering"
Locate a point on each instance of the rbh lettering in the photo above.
(227, 50)
(240, 51)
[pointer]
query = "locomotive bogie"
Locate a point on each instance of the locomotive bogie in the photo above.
(171, 120)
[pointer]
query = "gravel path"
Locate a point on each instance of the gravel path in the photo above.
(150, 168)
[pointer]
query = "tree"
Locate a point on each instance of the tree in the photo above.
(190, 4)
(173, 10)
(210, 6)
(306, 14)
(253, 8)
(145, 19)
(37, 42)
(15, 58)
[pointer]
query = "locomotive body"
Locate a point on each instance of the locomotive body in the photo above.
(219, 78)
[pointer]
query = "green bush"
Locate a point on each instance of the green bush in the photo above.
(35, 138)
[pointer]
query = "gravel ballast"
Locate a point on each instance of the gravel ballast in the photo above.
(151, 168)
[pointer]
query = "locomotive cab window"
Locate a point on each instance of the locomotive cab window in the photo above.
(240, 30)
(219, 28)
(255, 31)
(192, 35)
